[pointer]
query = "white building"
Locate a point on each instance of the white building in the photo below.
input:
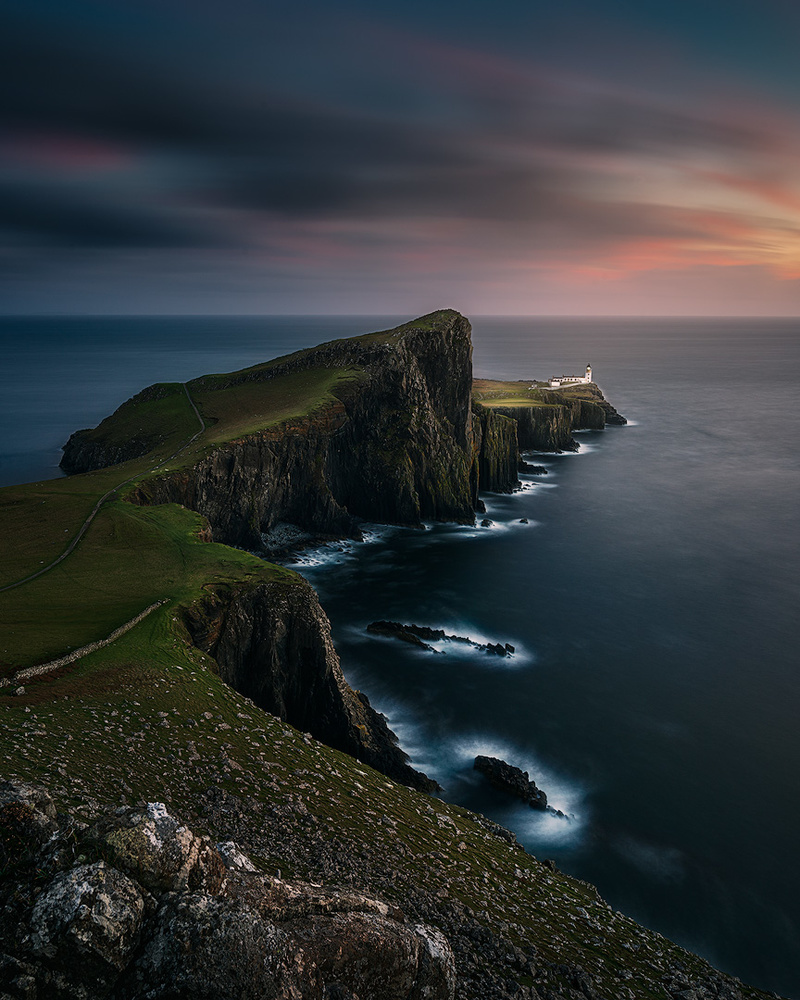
(556, 381)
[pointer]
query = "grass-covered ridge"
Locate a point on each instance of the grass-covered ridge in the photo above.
(130, 555)
(148, 717)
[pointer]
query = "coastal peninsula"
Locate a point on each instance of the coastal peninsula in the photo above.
(224, 711)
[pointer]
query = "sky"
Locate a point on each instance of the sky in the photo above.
(574, 157)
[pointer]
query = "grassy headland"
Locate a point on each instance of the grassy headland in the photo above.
(148, 717)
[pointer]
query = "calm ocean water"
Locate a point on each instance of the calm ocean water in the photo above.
(652, 599)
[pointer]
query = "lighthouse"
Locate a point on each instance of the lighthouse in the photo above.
(557, 381)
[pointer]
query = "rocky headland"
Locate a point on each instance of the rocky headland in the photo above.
(305, 862)
(397, 439)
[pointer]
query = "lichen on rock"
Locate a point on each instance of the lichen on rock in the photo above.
(161, 917)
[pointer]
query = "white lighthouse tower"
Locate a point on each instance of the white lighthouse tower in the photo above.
(557, 381)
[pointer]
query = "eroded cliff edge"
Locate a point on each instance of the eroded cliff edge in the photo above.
(272, 643)
(380, 428)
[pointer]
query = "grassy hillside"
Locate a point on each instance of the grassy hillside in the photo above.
(148, 718)
(493, 392)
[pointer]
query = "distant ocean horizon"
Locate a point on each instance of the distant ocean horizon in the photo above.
(651, 596)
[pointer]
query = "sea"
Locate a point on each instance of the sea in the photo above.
(649, 583)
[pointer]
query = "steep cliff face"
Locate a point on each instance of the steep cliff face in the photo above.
(496, 450)
(245, 487)
(550, 427)
(395, 447)
(273, 643)
(542, 428)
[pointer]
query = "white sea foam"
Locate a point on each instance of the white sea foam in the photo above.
(521, 657)
(335, 553)
(540, 829)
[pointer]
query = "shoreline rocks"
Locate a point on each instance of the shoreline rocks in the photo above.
(415, 635)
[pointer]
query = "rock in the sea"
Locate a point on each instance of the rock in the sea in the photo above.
(415, 634)
(512, 780)
(405, 633)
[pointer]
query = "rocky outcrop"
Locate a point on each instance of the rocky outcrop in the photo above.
(272, 643)
(511, 780)
(550, 426)
(416, 634)
(163, 917)
(396, 446)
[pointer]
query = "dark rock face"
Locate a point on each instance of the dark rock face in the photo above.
(512, 780)
(273, 644)
(396, 447)
(543, 428)
(86, 930)
(497, 449)
(550, 427)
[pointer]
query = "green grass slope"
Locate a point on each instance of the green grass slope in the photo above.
(148, 718)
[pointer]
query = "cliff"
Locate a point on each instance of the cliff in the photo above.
(546, 419)
(390, 440)
(497, 458)
(272, 643)
(381, 428)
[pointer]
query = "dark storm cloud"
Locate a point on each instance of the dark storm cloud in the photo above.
(250, 148)
(319, 136)
(58, 219)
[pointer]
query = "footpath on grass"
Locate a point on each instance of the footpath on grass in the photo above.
(106, 496)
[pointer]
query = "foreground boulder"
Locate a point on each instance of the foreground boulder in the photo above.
(137, 907)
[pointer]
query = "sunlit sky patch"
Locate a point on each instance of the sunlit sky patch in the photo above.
(577, 158)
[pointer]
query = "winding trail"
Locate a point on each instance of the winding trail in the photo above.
(85, 526)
